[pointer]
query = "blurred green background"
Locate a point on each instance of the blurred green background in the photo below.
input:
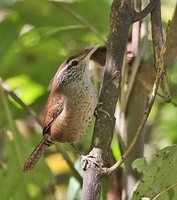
(36, 36)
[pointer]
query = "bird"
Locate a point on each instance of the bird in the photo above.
(70, 105)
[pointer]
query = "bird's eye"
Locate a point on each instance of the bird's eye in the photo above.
(74, 63)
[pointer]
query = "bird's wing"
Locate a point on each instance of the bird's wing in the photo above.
(53, 109)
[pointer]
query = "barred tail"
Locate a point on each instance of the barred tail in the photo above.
(37, 153)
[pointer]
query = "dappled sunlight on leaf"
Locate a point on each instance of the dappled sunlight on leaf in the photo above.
(25, 88)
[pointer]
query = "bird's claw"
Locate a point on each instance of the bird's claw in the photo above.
(97, 109)
(95, 159)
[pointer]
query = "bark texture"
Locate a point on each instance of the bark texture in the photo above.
(120, 21)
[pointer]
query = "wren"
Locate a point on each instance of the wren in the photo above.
(70, 105)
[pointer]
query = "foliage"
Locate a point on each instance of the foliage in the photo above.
(158, 175)
(35, 38)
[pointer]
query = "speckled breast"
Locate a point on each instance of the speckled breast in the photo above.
(75, 119)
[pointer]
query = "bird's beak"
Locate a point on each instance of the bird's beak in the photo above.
(89, 52)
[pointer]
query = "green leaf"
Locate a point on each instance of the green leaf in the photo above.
(25, 88)
(139, 165)
(159, 175)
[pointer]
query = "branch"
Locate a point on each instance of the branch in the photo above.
(110, 93)
(157, 37)
(171, 102)
(147, 79)
(159, 75)
(136, 32)
(92, 176)
(171, 53)
(133, 75)
(133, 103)
(140, 15)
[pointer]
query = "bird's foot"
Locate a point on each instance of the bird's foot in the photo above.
(94, 157)
(97, 109)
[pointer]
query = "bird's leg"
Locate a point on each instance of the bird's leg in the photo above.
(75, 148)
(85, 159)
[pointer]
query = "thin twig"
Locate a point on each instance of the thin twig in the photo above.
(136, 31)
(165, 190)
(171, 102)
(81, 20)
(12, 94)
(140, 15)
(160, 71)
(133, 76)
(70, 163)
(157, 37)
(164, 83)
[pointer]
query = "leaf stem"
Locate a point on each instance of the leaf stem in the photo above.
(81, 20)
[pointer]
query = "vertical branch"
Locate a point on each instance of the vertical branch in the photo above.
(112, 77)
(109, 95)
(122, 17)
(136, 31)
(171, 53)
(159, 75)
(133, 104)
(157, 36)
